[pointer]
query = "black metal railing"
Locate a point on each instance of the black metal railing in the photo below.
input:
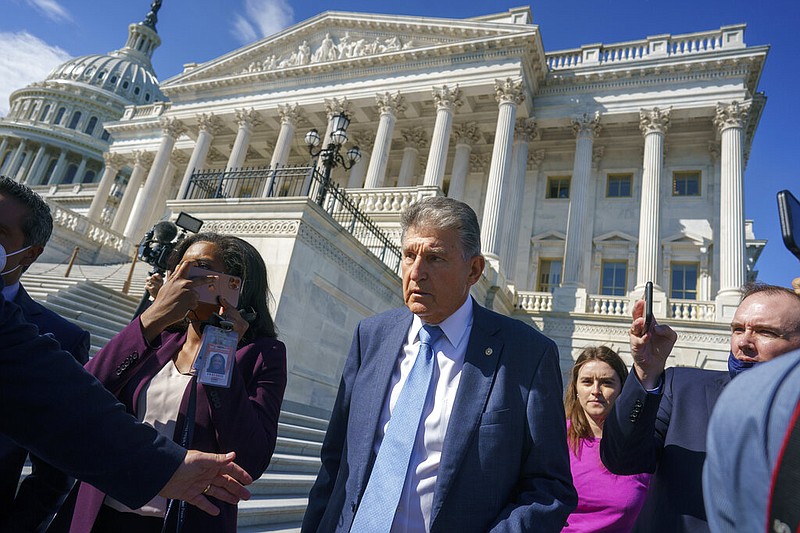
(302, 181)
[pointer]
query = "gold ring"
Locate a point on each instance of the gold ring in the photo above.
(205, 490)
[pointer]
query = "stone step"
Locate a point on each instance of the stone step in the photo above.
(287, 484)
(286, 463)
(104, 327)
(291, 446)
(110, 296)
(304, 420)
(290, 527)
(96, 306)
(300, 432)
(267, 510)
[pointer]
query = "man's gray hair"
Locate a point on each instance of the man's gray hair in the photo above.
(445, 213)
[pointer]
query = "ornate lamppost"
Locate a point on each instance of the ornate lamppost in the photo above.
(330, 155)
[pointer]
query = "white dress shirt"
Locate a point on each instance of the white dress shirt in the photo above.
(414, 510)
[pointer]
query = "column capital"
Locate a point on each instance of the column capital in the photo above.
(525, 129)
(171, 127)
(586, 124)
(509, 90)
(210, 123)
(177, 158)
(247, 118)
(364, 139)
(467, 133)
(291, 114)
(446, 98)
(654, 120)
(415, 137)
(334, 106)
(113, 160)
(733, 115)
(391, 104)
(478, 162)
(535, 159)
(142, 158)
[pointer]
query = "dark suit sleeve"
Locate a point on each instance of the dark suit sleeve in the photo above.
(545, 495)
(51, 406)
(334, 445)
(635, 429)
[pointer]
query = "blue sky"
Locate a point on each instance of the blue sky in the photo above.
(36, 35)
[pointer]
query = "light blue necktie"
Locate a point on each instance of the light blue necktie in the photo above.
(376, 512)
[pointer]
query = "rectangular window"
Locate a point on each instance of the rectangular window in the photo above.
(613, 280)
(549, 275)
(684, 281)
(686, 183)
(619, 185)
(558, 187)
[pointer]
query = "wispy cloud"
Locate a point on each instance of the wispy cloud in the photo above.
(51, 9)
(25, 59)
(260, 19)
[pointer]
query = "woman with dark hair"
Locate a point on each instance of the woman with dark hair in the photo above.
(606, 502)
(149, 367)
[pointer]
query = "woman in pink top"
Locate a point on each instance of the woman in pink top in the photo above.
(606, 502)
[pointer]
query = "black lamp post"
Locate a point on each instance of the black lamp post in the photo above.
(330, 155)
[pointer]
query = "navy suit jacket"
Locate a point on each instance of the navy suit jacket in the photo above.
(51, 406)
(41, 493)
(665, 434)
(504, 463)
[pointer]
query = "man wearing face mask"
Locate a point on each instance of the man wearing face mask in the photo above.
(25, 228)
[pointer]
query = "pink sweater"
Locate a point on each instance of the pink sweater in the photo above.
(606, 502)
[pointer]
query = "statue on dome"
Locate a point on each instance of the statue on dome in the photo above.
(152, 16)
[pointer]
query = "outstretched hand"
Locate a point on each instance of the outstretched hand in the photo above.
(649, 348)
(208, 474)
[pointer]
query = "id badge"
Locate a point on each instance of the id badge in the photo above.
(214, 362)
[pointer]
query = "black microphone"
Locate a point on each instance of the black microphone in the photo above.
(164, 231)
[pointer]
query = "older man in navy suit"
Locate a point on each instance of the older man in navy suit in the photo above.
(659, 421)
(449, 416)
(27, 224)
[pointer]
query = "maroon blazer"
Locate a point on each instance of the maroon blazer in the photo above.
(242, 418)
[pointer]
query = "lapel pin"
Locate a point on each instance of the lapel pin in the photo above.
(488, 351)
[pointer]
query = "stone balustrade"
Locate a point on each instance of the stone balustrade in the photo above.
(155, 109)
(608, 305)
(727, 37)
(692, 310)
(533, 301)
(388, 200)
(78, 223)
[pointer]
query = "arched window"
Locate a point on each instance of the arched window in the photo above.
(44, 113)
(90, 126)
(70, 175)
(59, 115)
(147, 97)
(105, 136)
(89, 176)
(76, 117)
(136, 90)
(125, 84)
(50, 168)
(32, 112)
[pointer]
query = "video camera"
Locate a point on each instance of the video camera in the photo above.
(159, 242)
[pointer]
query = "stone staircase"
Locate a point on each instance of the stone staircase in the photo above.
(91, 298)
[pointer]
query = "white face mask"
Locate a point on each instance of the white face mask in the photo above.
(4, 256)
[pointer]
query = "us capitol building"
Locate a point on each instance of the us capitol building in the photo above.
(592, 170)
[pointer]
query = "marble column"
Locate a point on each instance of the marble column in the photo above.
(585, 128)
(35, 174)
(365, 141)
(247, 120)
(25, 167)
(290, 116)
(171, 129)
(141, 162)
(390, 105)
(58, 170)
(81, 170)
(114, 162)
(415, 140)
(525, 132)
(654, 124)
(446, 100)
(157, 208)
(730, 120)
(333, 106)
(3, 147)
(509, 94)
(13, 164)
(209, 125)
(466, 135)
